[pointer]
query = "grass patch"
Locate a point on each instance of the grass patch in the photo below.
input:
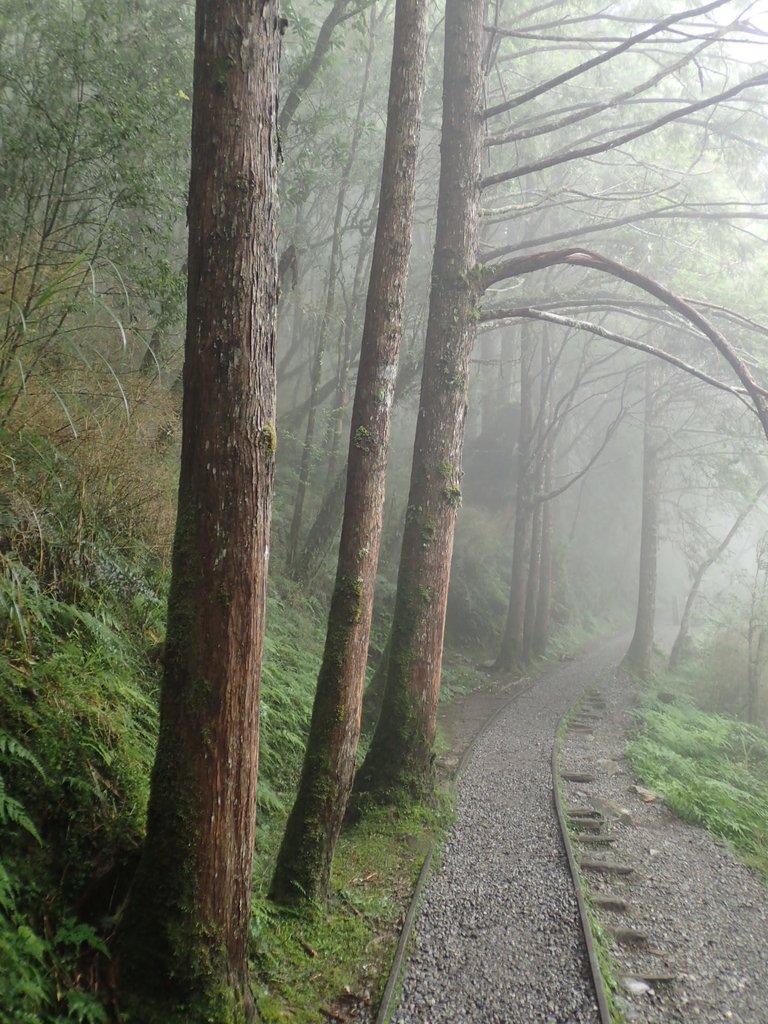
(609, 968)
(313, 961)
(711, 770)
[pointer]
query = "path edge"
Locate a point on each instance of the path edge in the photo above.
(388, 1002)
(594, 964)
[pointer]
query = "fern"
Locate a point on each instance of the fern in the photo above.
(11, 748)
(12, 813)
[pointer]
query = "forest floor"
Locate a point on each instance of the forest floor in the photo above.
(498, 939)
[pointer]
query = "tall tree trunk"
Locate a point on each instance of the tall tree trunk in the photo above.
(304, 861)
(305, 466)
(537, 522)
(534, 567)
(639, 655)
(184, 937)
(343, 379)
(511, 650)
(334, 263)
(542, 625)
(400, 756)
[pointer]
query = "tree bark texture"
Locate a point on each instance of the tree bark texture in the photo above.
(639, 655)
(183, 945)
(305, 857)
(400, 757)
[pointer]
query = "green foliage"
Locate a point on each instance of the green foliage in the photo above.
(310, 959)
(293, 647)
(81, 610)
(479, 587)
(34, 967)
(608, 966)
(93, 169)
(711, 770)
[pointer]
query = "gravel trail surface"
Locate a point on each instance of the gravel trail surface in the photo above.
(498, 938)
(701, 914)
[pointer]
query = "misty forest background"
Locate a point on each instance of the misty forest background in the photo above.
(578, 443)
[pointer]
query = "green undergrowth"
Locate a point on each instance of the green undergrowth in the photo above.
(311, 963)
(78, 719)
(711, 770)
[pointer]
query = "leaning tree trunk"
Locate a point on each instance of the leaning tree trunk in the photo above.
(304, 861)
(184, 938)
(400, 757)
(639, 655)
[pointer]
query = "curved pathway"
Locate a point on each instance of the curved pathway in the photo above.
(498, 938)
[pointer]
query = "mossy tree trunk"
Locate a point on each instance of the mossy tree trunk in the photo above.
(183, 941)
(400, 757)
(305, 856)
(639, 655)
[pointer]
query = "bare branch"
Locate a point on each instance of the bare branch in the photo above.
(602, 58)
(566, 156)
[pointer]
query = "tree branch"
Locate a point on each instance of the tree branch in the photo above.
(567, 76)
(566, 156)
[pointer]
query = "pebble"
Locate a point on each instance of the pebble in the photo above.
(498, 939)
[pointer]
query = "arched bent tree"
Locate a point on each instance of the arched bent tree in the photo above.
(400, 756)
(183, 941)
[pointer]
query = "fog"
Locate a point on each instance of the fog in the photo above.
(650, 155)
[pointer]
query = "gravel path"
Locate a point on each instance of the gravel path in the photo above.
(704, 914)
(498, 939)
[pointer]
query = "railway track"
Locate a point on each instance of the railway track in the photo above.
(500, 931)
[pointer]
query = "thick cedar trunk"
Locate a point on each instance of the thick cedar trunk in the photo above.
(400, 756)
(511, 650)
(639, 655)
(183, 942)
(304, 861)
